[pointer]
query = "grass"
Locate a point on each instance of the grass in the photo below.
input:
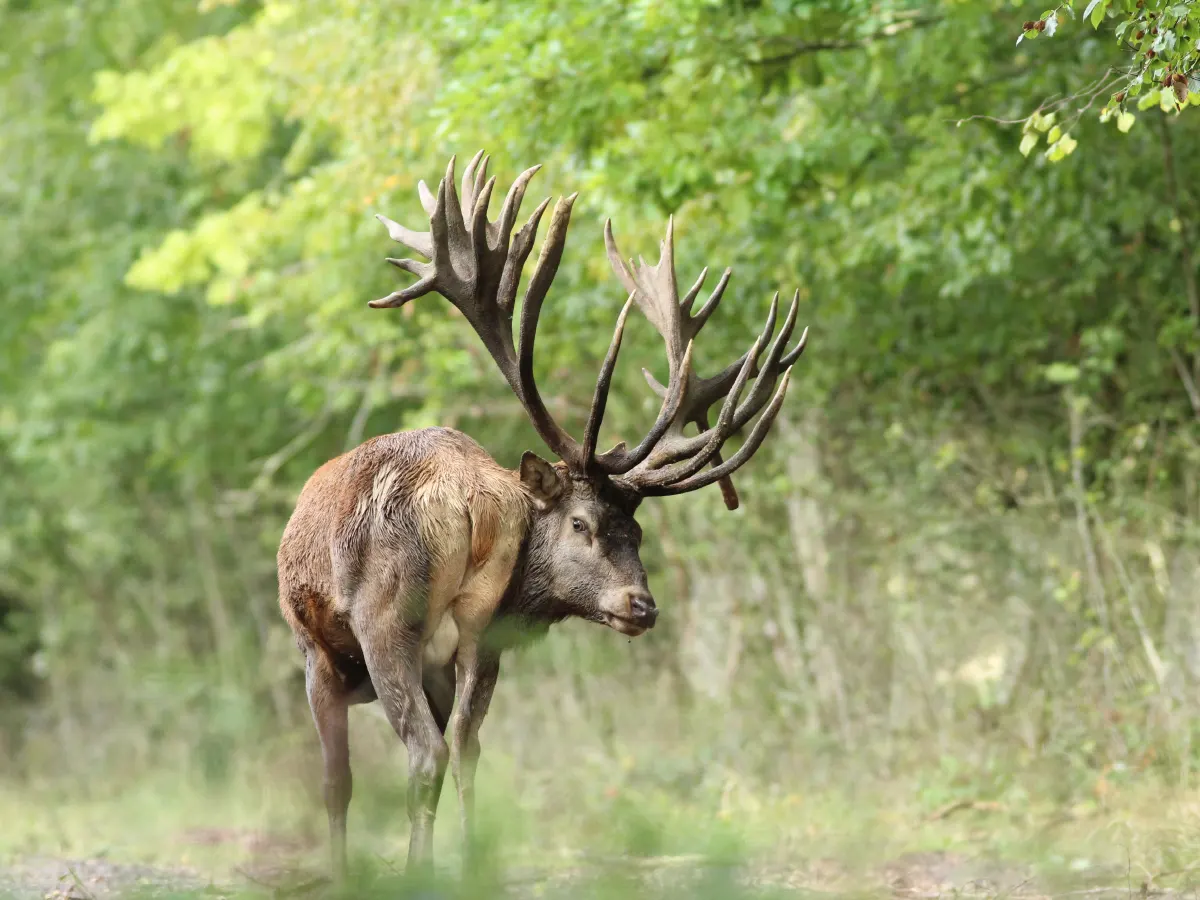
(596, 829)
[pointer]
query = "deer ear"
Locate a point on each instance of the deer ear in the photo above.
(540, 480)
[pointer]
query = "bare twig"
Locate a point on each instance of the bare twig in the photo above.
(78, 884)
(358, 424)
(1189, 382)
(284, 454)
(1100, 86)
(1095, 583)
(958, 805)
(1173, 872)
(1131, 595)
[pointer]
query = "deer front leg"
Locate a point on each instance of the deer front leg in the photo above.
(328, 702)
(438, 682)
(478, 667)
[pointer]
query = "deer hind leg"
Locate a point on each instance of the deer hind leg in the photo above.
(328, 700)
(388, 615)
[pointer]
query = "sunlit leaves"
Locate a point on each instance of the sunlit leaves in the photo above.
(223, 244)
(1060, 147)
(214, 91)
(1162, 41)
(1061, 373)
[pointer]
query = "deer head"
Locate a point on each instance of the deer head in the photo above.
(584, 540)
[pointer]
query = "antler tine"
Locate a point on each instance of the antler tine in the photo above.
(603, 382)
(666, 260)
(428, 201)
(674, 460)
(479, 222)
(451, 209)
(512, 205)
(399, 298)
(769, 370)
(543, 273)
(715, 437)
(481, 174)
(471, 183)
(618, 461)
(685, 305)
(655, 289)
(710, 390)
(518, 253)
(757, 435)
(795, 353)
(710, 305)
(623, 271)
(417, 240)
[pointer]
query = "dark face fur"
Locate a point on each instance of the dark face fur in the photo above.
(583, 548)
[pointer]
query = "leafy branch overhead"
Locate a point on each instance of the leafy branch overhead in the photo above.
(1161, 43)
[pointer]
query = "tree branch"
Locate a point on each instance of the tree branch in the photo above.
(796, 48)
(1056, 104)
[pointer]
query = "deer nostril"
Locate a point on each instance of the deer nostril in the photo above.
(641, 607)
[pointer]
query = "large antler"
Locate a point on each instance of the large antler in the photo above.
(668, 461)
(473, 265)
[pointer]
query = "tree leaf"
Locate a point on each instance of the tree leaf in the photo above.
(1061, 373)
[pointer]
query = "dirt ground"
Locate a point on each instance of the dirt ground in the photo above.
(923, 876)
(47, 878)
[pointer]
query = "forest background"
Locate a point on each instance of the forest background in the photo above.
(958, 606)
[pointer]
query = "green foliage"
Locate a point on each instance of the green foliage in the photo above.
(976, 527)
(1162, 42)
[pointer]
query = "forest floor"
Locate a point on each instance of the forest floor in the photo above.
(255, 834)
(274, 871)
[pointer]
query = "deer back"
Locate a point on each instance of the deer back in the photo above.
(431, 501)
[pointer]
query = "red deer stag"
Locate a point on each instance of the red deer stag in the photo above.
(404, 556)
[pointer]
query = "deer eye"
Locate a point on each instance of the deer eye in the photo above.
(578, 525)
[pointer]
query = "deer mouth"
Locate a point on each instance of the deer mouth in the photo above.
(624, 625)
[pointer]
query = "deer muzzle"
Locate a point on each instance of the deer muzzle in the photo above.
(629, 610)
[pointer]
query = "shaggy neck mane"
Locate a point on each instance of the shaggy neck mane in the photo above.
(528, 609)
